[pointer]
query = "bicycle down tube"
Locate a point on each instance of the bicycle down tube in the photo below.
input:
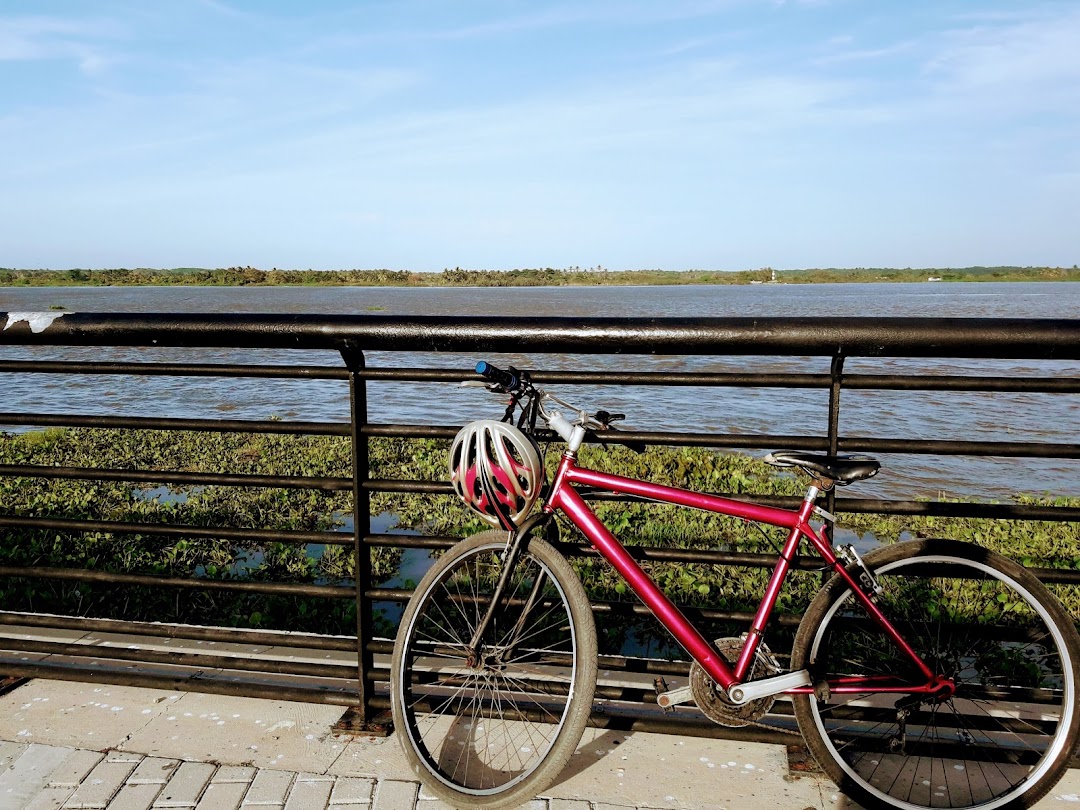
(565, 498)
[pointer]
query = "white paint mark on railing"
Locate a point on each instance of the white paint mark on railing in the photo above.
(38, 321)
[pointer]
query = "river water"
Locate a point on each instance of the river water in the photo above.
(937, 415)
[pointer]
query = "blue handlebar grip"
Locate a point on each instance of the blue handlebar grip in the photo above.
(506, 379)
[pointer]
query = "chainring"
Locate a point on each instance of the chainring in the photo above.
(714, 703)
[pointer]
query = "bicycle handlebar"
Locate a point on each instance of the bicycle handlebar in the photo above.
(509, 381)
(513, 381)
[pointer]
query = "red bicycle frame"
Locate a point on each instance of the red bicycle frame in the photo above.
(564, 497)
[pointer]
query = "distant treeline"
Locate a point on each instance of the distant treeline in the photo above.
(537, 277)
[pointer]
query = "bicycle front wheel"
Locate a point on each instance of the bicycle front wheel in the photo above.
(492, 727)
(1007, 733)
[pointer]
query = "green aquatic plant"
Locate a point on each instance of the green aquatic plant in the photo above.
(723, 588)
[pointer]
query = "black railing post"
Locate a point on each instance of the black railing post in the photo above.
(836, 371)
(362, 718)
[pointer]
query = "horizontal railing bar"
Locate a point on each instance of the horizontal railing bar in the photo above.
(346, 670)
(938, 447)
(945, 382)
(268, 588)
(177, 477)
(650, 553)
(619, 608)
(250, 536)
(410, 486)
(885, 382)
(175, 369)
(734, 441)
(622, 663)
(690, 378)
(961, 509)
(222, 479)
(198, 681)
(743, 559)
(278, 639)
(765, 441)
(163, 423)
(227, 635)
(1003, 338)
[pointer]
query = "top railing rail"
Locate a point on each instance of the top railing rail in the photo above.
(1005, 338)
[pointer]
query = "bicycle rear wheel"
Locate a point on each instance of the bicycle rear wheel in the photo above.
(1006, 735)
(492, 728)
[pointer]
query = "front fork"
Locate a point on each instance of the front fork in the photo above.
(515, 542)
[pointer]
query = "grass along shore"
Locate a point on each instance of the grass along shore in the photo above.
(1037, 543)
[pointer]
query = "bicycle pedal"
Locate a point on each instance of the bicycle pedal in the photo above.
(668, 699)
(660, 686)
(822, 691)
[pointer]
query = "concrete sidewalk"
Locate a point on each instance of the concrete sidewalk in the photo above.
(90, 746)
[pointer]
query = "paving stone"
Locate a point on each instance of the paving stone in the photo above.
(100, 785)
(306, 794)
(186, 785)
(223, 796)
(234, 773)
(136, 797)
(269, 789)
(124, 756)
(51, 798)
(9, 752)
(352, 790)
(392, 794)
(153, 771)
(568, 804)
(74, 769)
(432, 803)
(28, 775)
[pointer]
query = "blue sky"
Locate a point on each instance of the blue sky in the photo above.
(423, 134)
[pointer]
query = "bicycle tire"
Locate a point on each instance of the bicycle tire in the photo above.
(530, 708)
(1005, 737)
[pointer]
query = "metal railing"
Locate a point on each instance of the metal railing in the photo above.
(355, 680)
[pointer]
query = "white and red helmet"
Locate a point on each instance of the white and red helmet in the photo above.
(496, 469)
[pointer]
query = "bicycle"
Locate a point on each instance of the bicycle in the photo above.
(928, 673)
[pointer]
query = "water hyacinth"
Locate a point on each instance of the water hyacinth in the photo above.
(1036, 543)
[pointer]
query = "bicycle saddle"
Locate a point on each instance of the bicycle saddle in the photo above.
(843, 470)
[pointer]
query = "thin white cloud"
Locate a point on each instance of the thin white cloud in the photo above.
(1036, 51)
(88, 44)
(840, 53)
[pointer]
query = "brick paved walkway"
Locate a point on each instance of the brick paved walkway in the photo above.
(46, 777)
(68, 746)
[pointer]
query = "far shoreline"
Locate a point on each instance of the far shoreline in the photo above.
(541, 277)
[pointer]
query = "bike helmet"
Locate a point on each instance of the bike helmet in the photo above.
(496, 470)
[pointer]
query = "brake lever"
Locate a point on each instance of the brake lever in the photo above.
(637, 447)
(605, 418)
